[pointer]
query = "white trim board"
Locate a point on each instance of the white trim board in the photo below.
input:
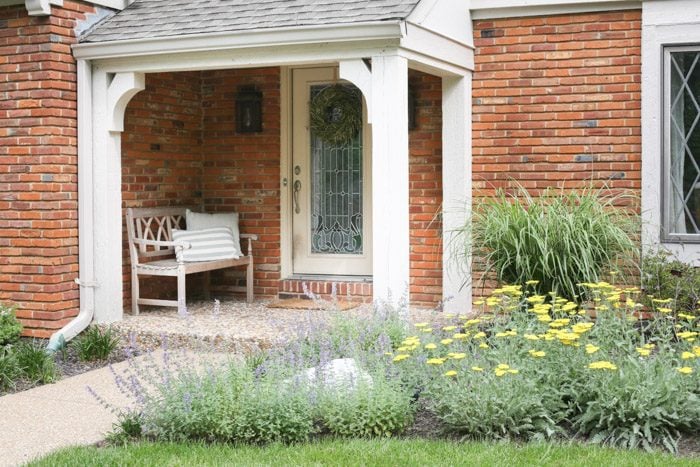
(494, 9)
(664, 23)
(43, 7)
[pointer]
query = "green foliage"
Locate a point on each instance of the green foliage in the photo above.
(9, 368)
(126, 430)
(380, 409)
(10, 327)
(95, 343)
(666, 277)
(485, 406)
(558, 238)
(644, 404)
(35, 364)
(268, 414)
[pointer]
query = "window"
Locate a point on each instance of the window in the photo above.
(682, 144)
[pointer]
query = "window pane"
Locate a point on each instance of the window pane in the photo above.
(684, 128)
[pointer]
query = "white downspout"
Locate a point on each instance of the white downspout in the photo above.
(86, 282)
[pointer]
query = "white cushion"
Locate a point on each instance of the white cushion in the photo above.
(207, 244)
(199, 221)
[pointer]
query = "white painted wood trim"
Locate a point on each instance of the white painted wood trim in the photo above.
(285, 173)
(276, 37)
(357, 72)
(456, 189)
(390, 200)
(123, 87)
(487, 9)
(664, 23)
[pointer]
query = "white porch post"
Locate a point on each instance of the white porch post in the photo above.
(110, 97)
(390, 221)
(456, 188)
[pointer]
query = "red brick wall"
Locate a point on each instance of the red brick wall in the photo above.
(161, 155)
(425, 191)
(38, 166)
(242, 171)
(556, 102)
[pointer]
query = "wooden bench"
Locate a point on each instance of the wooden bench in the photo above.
(153, 253)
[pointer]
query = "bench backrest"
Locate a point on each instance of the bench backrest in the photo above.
(155, 224)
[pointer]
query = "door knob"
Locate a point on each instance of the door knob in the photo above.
(297, 189)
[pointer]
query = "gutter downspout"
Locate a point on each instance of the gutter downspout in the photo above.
(86, 239)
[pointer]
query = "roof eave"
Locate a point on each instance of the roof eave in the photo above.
(367, 31)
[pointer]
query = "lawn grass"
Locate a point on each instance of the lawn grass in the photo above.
(389, 452)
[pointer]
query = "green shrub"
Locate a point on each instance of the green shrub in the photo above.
(10, 327)
(268, 413)
(664, 276)
(646, 403)
(95, 343)
(198, 405)
(482, 405)
(127, 429)
(558, 238)
(35, 364)
(9, 369)
(380, 409)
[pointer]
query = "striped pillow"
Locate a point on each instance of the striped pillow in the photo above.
(207, 244)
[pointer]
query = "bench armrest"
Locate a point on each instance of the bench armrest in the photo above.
(176, 245)
(250, 238)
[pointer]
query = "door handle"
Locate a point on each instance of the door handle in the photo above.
(297, 189)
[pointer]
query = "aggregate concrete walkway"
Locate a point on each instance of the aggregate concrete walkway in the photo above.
(41, 420)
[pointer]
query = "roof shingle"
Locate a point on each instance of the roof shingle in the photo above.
(163, 18)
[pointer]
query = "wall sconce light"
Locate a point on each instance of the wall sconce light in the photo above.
(412, 123)
(248, 110)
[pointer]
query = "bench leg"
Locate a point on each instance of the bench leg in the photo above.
(134, 292)
(207, 285)
(249, 282)
(181, 290)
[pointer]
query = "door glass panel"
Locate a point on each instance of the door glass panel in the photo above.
(336, 193)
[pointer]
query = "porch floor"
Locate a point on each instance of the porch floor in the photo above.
(236, 327)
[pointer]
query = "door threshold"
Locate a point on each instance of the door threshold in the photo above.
(328, 278)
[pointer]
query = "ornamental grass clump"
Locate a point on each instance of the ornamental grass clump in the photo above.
(558, 238)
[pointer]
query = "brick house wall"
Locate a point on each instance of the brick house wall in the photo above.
(557, 103)
(38, 166)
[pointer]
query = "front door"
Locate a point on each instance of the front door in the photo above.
(330, 184)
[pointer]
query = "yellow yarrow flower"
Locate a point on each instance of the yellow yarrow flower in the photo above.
(686, 370)
(435, 361)
(483, 345)
(687, 355)
(696, 351)
(477, 368)
(457, 355)
(421, 325)
(643, 351)
(664, 310)
(460, 336)
(591, 349)
(401, 357)
(544, 318)
(450, 373)
(430, 346)
(537, 353)
(580, 328)
(471, 322)
(446, 341)
(479, 335)
(479, 302)
(449, 328)
(602, 365)
(532, 282)
(531, 337)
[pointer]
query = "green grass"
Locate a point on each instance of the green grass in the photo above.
(359, 452)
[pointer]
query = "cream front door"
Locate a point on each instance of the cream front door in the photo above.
(330, 186)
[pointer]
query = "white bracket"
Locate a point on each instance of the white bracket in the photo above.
(123, 87)
(40, 7)
(83, 283)
(357, 72)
